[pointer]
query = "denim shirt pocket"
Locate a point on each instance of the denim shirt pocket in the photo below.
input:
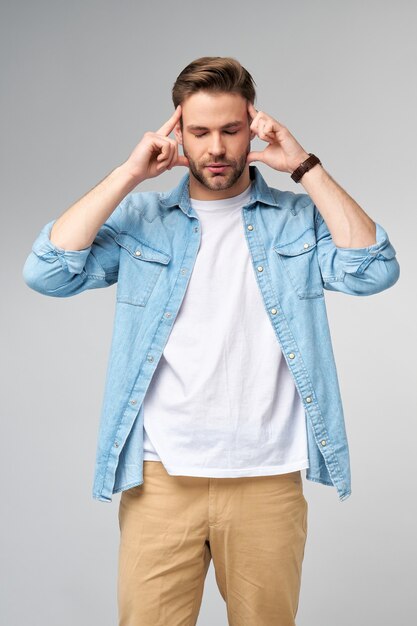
(300, 260)
(139, 269)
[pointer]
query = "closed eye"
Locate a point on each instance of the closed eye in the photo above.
(228, 132)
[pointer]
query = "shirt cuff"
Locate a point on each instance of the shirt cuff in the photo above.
(71, 260)
(358, 259)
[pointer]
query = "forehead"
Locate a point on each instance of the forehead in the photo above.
(213, 109)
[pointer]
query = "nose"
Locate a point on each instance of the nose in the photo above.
(216, 147)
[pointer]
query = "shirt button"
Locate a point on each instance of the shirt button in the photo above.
(167, 314)
(150, 357)
(133, 401)
(274, 311)
(184, 270)
(306, 245)
(250, 227)
(309, 399)
(323, 442)
(138, 252)
(260, 268)
(291, 355)
(116, 444)
(196, 229)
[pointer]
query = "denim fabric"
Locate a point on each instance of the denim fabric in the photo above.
(148, 248)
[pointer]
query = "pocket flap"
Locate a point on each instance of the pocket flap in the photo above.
(141, 250)
(303, 244)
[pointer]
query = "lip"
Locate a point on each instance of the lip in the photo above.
(217, 168)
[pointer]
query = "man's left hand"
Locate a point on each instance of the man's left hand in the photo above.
(283, 153)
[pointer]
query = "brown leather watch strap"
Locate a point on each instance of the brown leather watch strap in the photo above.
(305, 167)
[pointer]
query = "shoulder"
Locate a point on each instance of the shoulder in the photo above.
(145, 204)
(294, 202)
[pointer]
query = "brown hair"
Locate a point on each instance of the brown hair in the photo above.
(214, 74)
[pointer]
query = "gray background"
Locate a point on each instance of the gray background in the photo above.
(81, 83)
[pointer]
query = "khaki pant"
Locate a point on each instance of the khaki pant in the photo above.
(254, 529)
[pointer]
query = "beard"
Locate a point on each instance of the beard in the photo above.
(214, 181)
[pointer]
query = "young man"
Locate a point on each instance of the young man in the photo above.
(221, 385)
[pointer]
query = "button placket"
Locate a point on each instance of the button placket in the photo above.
(295, 359)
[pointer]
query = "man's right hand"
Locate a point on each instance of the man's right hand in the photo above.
(156, 152)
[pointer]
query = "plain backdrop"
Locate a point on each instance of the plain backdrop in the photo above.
(81, 83)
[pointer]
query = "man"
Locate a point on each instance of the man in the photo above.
(221, 323)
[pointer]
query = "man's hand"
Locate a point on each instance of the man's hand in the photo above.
(283, 153)
(156, 152)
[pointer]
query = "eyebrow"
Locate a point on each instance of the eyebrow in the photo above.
(229, 125)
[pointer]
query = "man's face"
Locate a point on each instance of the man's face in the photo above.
(215, 131)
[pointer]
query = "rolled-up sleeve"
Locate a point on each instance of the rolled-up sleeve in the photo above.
(356, 271)
(53, 271)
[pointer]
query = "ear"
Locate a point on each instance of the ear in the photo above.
(178, 133)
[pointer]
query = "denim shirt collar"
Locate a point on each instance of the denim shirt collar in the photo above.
(179, 196)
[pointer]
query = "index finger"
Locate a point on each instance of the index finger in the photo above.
(168, 127)
(253, 112)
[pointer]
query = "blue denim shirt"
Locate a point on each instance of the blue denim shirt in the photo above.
(148, 247)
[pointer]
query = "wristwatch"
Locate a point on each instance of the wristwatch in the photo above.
(305, 167)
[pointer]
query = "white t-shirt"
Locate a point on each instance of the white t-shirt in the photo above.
(222, 402)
